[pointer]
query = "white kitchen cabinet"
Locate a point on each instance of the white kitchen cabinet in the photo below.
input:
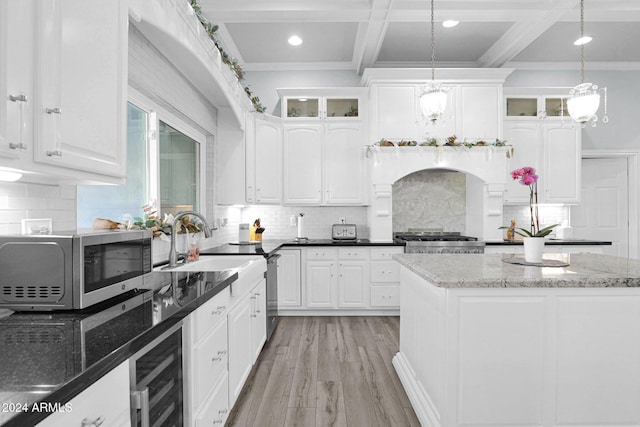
(331, 104)
(385, 277)
(264, 161)
(92, 408)
(353, 286)
(81, 85)
(216, 408)
(68, 58)
(302, 164)
(536, 103)
(258, 297)
(553, 148)
(473, 112)
(323, 164)
(240, 352)
(321, 284)
(289, 279)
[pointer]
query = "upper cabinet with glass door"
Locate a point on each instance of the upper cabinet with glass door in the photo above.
(322, 104)
(536, 103)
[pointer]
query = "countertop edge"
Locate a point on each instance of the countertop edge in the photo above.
(84, 380)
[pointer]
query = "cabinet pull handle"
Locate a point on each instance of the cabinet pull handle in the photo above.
(22, 99)
(86, 422)
(56, 134)
(221, 354)
(140, 400)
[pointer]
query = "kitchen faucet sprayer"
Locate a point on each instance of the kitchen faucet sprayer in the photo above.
(173, 253)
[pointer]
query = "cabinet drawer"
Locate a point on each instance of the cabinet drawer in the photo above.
(352, 253)
(212, 311)
(386, 252)
(385, 271)
(322, 253)
(210, 361)
(385, 296)
(92, 405)
(216, 409)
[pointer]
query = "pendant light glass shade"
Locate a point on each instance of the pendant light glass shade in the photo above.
(584, 102)
(433, 97)
(433, 101)
(584, 99)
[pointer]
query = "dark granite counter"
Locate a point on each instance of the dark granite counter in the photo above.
(53, 356)
(268, 247)
(551, 242)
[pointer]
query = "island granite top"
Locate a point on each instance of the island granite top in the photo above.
(490, 271)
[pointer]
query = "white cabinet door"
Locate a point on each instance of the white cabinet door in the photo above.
(353, 287)
(480, 112)
(302, 164)
(81, 85)
(562, 147)
(216, 409)
(240, 353)
(289, 279)
(105, 402)
(343, 164)
(258, 318)
(209, 363)
(267, 163)
(394, 113)
(321, 284)
(527, 151)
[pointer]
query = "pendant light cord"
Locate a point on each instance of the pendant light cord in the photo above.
(582, 45)
(433, 46)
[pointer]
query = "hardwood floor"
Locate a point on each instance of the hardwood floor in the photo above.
(326, 371)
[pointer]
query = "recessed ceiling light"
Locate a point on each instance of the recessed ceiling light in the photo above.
(449, 23)
(583, 40)
(302, 99)
(295, 40)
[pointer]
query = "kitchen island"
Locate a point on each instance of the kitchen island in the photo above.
(485, 342)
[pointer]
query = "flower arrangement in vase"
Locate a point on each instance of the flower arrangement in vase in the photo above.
(534, 237)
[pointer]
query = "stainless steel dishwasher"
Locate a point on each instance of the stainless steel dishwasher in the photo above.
(272, 293)
(157, 381)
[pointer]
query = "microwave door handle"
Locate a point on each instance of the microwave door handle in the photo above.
(140, 400)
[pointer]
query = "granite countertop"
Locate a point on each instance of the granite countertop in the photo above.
(489, 271)
(267, 247)
(550, 242)
(53, 356)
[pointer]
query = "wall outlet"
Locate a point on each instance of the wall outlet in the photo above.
(342, 220)
(293, 221)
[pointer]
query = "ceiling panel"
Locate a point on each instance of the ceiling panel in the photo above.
(267, 42)
(612, 41)
(411, 41)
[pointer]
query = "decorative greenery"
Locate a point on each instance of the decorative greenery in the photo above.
(449, 142)
(211, 30)
(152, 221)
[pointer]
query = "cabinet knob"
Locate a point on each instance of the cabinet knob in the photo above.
(54, 110)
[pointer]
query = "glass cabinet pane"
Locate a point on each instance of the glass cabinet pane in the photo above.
(554, 107)
(342, 107)
(302, 107)
(522, 107)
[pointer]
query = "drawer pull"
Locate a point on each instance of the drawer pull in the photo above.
(221, 354)
(95, 423)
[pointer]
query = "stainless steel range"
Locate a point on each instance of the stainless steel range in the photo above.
(438, 243)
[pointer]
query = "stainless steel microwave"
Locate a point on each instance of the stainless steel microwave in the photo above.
(71, 270)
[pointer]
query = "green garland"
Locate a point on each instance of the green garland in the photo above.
(211, 30)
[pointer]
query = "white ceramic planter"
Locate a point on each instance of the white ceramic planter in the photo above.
(533, 248)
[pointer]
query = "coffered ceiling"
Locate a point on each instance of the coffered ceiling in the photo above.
(359, 34)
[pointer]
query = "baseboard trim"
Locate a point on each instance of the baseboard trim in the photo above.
(426, 413)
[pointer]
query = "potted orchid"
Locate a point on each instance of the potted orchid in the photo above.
(533, 238)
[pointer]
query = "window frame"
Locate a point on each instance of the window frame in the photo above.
(155, 114)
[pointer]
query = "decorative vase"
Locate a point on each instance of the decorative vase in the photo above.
(533, 247)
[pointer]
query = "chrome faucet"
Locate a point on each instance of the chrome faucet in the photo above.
(173, 253)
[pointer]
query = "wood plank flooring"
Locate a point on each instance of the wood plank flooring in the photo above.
(326, 371)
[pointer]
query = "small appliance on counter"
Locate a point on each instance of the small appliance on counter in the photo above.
(344, 233)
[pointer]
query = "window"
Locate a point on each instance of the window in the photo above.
(163, 164)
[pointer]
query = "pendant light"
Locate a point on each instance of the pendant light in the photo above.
(584, 99)
(433, 98)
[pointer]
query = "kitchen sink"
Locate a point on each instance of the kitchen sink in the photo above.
(216, 263)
